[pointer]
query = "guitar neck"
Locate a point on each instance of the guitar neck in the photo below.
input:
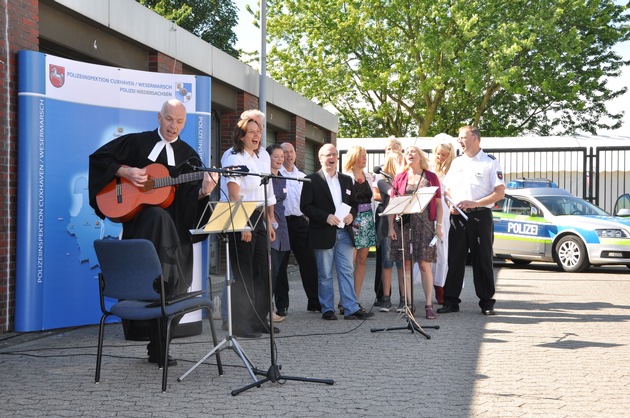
(172, 181)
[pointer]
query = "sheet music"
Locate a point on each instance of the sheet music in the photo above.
(225, 217)
(410, 203)
(229, 217)
(449, 200)
(342, 211)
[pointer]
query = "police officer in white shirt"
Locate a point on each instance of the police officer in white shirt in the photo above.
(473, 184)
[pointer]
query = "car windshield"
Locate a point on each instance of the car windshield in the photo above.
(570, 205)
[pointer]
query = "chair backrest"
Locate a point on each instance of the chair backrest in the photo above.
(129, 268)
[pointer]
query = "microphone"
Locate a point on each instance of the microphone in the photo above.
(379, 170)
(176, 171)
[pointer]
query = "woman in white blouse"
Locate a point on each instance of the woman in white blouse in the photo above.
(248, 249)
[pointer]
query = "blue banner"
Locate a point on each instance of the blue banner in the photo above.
(66, 110)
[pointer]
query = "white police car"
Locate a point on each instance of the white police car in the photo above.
(552, 225)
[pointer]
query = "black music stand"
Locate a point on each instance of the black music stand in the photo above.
(403, 205)
(273, 374)
(228, 217)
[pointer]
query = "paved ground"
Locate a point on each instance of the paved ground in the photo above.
(560, 347)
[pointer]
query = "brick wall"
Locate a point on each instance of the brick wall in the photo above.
(158, 62)
(228, 122)
(23, 31)
(297, 137)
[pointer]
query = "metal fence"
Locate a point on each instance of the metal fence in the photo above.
(599, 175)
(611, 167)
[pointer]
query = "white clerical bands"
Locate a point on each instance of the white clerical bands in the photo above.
(157, 149)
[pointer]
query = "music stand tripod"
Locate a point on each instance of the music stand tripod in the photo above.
(228, 217)
(273, 374)
(403, 205)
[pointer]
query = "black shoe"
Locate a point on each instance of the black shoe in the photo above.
(281, 311)
(490, 311)
(386, 304)
(247, 334)
(448, 309)
(329, 316)
(313, 307)
(378, 302)
(153, 358)
(359, 315)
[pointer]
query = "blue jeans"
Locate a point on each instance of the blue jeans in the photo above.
(342, 257)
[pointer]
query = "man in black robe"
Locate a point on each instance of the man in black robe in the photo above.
(168, 228)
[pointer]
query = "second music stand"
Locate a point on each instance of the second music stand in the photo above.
(228, 217)
(405, 205)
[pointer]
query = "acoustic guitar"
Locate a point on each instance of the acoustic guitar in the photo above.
(120, 200)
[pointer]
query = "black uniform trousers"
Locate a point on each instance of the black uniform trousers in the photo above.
(304, 255)
(476, 234)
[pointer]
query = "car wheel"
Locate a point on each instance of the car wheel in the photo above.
(571, 254)
(520, 262)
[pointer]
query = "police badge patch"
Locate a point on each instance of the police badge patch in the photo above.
(500, 175)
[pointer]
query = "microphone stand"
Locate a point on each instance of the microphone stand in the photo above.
(273, 374)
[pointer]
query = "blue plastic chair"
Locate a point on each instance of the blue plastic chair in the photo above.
(131, 272)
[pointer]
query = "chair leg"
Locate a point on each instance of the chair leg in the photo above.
(168, 343)
(99, 350)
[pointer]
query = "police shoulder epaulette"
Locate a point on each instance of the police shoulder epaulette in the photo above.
(491, 156)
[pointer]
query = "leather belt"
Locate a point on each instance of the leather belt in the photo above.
(294, 217)
(477, 209)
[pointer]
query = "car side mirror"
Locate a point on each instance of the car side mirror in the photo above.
(534, 212)
(623, 212)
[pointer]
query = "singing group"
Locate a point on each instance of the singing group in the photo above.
(328, 219)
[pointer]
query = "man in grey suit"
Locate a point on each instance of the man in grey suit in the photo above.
(328, 201)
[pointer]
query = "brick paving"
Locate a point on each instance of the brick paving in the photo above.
(559, 346)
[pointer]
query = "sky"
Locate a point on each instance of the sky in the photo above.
(249, 40)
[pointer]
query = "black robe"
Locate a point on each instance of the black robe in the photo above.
(168, 228)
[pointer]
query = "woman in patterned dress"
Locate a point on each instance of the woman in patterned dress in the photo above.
(363, 226)
(423, 225)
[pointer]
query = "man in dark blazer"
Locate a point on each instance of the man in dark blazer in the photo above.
(328, 201)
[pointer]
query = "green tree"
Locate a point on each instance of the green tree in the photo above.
(211, 20)
(421, 67)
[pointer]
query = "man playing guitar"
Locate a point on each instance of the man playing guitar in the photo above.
(166, 224)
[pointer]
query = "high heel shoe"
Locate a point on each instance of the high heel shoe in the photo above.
(429, 311)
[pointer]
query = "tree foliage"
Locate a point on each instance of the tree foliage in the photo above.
(421, 67)
(211, 20)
